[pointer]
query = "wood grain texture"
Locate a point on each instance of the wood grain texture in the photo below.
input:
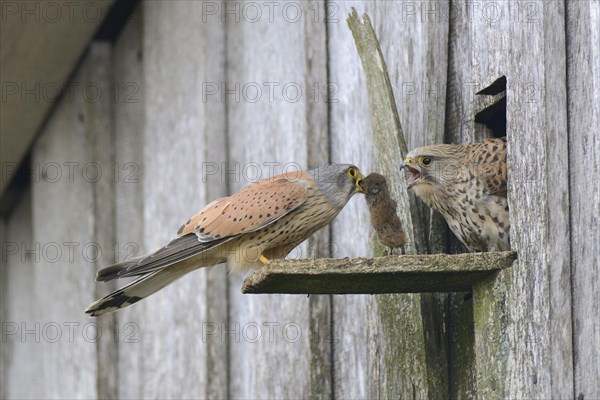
(319, 245)
(461, 347)
(459, 128)
(129, 192)
(277, 78)
(173, 354)
(396, 372)
(70, 171)
(19, 307)
(583, 94)
(540, 358)
(215, 152)
(416, 51)
(99, 116)
(491, 316)
(392, 274)
(355, 351)
(472, 37)
(68, 137)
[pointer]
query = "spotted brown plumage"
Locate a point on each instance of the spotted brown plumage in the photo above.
(263, 221)
(467, 185)
(382, 209)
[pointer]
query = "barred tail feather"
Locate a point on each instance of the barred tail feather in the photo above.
(114, 271)
(134, 292)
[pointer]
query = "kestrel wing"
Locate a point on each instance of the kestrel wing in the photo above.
(192, 224)
(178, 249)
(489, 159)
(252, 208)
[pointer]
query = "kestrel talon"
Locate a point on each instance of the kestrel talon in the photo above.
(263, 221)
(467, 185)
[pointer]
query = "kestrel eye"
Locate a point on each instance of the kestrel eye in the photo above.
(425, 161)
(352, 172)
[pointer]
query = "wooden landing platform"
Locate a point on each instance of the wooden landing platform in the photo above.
(392, 274)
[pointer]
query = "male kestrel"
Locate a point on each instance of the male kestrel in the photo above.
(467, 185)
(263, 221)
(382, 208)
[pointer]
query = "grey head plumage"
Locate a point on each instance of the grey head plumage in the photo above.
(337, 182)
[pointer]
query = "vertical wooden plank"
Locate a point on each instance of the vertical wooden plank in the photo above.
(128, 172)
(418, 60)
(460, 91)
(276, 93)
(64, 177)
(99, 118)
(506, 33)
(20, 356)
(319, 245)
(477, 56)
(63, 251)
(355, 357)
(461, 351)
(216, 153)
(180, 131)
(476, 29)
(375, 361)
(217, 279)
(491, 335)
(539, 299)
(459, 129)
(583, 94)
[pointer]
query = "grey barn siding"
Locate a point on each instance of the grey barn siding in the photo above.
(263, 136)
(183, 126)
(175, 133)
(540, 359)
(583, 94)
(385, 340)
(129, 199)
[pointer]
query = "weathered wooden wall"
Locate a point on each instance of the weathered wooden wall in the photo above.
(271, 133)
(206, 101)
(390, 342)
(176, 134)
(129, 189)
(55, 226)
(540, 362)
(583, 96)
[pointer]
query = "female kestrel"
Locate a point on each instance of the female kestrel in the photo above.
(263, 221)
(467, 185)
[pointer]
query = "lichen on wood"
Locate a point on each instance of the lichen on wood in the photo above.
(391, 274)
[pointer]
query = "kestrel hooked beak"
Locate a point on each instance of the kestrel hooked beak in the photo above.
(466, 183)
(414, 172)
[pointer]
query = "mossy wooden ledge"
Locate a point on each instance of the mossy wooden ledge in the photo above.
(392, 274)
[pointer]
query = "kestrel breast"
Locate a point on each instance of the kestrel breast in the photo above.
(277, 239)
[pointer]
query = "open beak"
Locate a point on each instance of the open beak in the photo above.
(358, 181)
(412, 173)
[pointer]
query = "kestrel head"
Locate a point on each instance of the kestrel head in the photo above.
(432, 167)
(338, 182)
